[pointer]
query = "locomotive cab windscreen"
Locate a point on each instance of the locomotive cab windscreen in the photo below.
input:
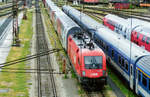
(93, 62)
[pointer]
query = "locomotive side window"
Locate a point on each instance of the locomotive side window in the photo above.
(144, 80)
(79, 61)
(143, 39)
(138, 35)
(148, 39)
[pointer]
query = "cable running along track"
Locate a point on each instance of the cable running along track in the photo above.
(46, 84)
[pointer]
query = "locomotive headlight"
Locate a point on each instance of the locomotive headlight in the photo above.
(83, 73)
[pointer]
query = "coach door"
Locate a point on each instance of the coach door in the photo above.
(131, 76)
(137, 77)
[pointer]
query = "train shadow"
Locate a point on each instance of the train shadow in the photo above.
(92, 87)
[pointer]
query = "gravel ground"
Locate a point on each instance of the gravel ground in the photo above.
(33, 89)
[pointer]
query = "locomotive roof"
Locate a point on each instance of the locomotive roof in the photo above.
(121, 44)
(144, 64)
(82, 17)
(83, 40)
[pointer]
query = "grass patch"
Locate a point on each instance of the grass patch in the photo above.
(120, 84)
(81, 92)
(73, 75)
(65, 76)
(2, 3)
(17, 82)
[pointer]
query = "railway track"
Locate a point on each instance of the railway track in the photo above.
(10, 12)
(46, 84)
(20, 3)
(121, 13)
(93, 90)
(98, 16)
(5, 24)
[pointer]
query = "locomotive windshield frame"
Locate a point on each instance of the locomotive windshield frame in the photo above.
(93, 62)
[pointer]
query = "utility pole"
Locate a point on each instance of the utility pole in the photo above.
(4, 1)
(16, 41)
(25, 10)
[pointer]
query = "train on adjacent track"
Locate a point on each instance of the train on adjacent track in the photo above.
(144, 3)
(87, 59)
(131, 61)
(120, 4)
(86, 1)
(133, 29)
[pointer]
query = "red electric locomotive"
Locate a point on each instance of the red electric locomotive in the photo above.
(88, 60)
(120, 4)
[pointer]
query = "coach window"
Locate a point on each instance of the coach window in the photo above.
(121, 28)
(119, 59)
(100, 42)
(138, 35)
(104, 45)
(124, 29)
(143, 39)
(107, 48)
(144, 80)
(122, 62)
(112, 53)
(148, 39)
(126, 65)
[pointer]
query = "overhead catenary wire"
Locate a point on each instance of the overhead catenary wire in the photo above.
(13, 62)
